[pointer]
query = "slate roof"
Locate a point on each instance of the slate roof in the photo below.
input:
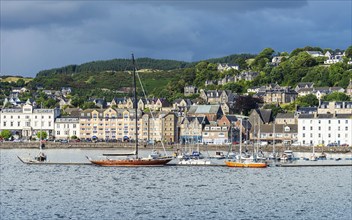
(265, 115)
(306, 110)
(285, 115)
(204, 109)
(306, 116)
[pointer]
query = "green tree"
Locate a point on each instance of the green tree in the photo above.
(49, 103)
(87, 105)
(244, 104)
(77, 101)
(348, 52)
(289, 107)
(275, 109)
(42, 135)
(336, 96)
(262, 59)
(6, 134)
(20, 83)
(307, 100)
(234, 87)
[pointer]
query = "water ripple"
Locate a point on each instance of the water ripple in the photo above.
(87, 192)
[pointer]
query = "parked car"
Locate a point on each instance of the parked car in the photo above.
(332, 145)
(344, 145)
(296, 144)
(263, 143)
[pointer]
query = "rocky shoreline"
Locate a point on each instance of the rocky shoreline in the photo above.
(103, 145)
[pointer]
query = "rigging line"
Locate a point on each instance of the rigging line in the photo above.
(145, 96)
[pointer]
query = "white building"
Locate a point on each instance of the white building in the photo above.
(27, 121)
(66, 127)
(314, 129)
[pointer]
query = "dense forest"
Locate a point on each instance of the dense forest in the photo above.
(167, 78)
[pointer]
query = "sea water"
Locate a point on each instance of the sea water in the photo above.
(172, 192)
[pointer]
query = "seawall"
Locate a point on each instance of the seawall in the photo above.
(85, 145)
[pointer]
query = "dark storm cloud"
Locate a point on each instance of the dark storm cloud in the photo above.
(27, 14)
(41, 35)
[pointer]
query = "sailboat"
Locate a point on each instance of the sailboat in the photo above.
(41, 156)
(313, 157)
(243, 162)
(131, 159)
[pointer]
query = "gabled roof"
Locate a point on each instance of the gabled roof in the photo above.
(265, 115)
(204, 109)
(306, 110)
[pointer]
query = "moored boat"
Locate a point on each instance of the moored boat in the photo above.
(152, 160)
(246, 164)
(287, 155)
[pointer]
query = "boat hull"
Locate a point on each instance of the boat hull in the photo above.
(130, 162)
(245, 165)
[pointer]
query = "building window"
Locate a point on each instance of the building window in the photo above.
(57, 132)
(18, 124)
(338, 121)
(329, 128)
(311, 128)
(319, 128)
(346, 128)
(304, 128)
(329, 121)
(329, 135)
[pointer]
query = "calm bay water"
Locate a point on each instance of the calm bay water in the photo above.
(173, 192)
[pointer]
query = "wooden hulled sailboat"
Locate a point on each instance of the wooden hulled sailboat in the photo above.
(132, 159)
(244, 162)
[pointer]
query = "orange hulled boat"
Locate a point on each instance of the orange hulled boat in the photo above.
(246, 164)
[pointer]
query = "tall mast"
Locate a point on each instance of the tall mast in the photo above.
(40, 134)
(135, 103)
(274, 137)
(240, 139)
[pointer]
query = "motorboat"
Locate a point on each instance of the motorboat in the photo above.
(287, 155)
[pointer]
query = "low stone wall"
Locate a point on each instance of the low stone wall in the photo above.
(55, 145)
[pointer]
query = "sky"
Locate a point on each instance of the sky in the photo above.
(38, 35)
